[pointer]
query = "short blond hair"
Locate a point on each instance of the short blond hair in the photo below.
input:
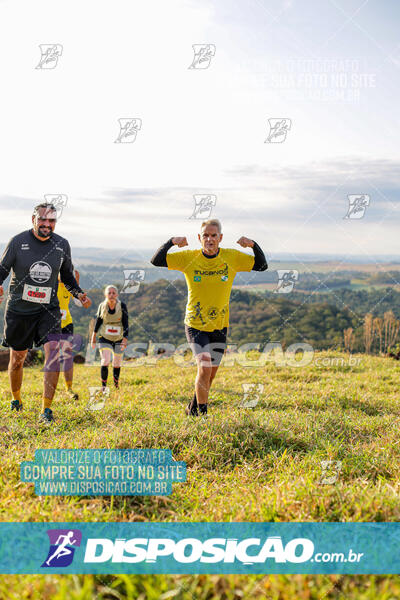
(215, 222)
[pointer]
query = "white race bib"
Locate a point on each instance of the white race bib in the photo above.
(63, 314)
(113, 330)
(32, 293)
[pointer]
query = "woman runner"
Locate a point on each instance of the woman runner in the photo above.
(113, 326)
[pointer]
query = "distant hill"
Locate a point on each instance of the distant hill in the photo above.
(157, 311)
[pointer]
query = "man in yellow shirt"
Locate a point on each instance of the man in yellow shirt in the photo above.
(67, 328)
(209, 274)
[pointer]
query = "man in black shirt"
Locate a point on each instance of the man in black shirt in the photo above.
(35, 258)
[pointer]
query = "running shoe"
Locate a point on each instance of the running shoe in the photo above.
(191, 409)
(46, 416)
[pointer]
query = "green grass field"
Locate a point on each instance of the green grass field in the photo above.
(260, 464)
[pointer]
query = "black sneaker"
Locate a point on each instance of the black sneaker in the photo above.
(191, 409)
(46, 416)
(203, 410)
(73, 395)
(16, 405)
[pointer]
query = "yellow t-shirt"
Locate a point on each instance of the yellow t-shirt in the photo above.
(209, 282)
(64, 297)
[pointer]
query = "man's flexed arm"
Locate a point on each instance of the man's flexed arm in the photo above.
(260, 262)
(160, 257)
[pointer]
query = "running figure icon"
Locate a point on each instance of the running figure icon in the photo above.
(62, 548)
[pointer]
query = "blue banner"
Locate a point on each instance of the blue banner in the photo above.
(175, 548)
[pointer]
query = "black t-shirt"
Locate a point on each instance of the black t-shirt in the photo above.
(34, 267)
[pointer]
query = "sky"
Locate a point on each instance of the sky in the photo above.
(328, 68)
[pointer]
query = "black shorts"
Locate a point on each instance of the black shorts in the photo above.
(68, 329)
(22, 331)
(213, 342)
(114, 346)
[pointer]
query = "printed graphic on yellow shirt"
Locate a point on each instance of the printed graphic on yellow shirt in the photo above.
(209, 282)
(64, 297)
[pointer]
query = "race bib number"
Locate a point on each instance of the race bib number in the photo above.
(113, 330)
(32, 293)
(63, 314)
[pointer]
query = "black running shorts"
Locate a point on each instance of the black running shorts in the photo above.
(115, 347)
(21, 332)
(213, 342)
(68, 329)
